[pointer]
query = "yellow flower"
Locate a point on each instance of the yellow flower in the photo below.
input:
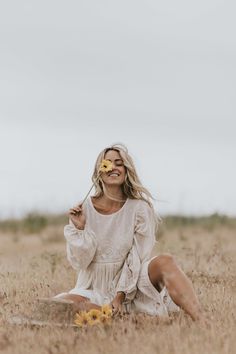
(82, 319)
(106, 310)
(106, 166)
(94, 314)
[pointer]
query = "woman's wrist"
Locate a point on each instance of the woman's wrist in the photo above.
(120, 295)
(78, 227)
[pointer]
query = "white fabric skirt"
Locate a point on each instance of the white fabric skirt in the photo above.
(147, 299)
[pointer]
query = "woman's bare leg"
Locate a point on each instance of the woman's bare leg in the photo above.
(81, 303)
(163, 270)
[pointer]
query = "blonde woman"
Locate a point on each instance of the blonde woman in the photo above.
(109, 243)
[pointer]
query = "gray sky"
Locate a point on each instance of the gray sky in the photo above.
(76, 76)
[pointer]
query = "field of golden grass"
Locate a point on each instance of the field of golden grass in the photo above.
(33, 264)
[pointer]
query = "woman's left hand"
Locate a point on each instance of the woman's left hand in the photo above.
(116, 303)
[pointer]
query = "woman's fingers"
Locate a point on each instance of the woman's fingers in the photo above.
(76, 208)
(75, 211)
(71, 212)
(116, 310)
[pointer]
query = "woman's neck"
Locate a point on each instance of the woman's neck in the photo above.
(107, 200)
(114, 192)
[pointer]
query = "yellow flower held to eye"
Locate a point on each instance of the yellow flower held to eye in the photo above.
(106, 166)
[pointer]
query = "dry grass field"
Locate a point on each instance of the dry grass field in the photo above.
(33, 264)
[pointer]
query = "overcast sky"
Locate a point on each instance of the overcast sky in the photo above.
(77, 76)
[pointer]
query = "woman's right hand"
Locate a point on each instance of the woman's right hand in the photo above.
(77, 216)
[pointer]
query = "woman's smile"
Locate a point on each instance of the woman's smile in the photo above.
(114, 174)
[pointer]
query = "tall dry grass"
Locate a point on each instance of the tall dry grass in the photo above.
(33, 264)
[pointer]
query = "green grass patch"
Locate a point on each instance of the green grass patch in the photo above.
(34, 223)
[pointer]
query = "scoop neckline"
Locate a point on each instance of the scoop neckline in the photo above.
(106, 215)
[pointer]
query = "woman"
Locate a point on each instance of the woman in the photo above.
(109, 242)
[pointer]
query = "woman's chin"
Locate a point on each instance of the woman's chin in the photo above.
(113, 184)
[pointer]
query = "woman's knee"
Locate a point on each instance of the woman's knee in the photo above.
(165, 261)
(159, 264)
(75, 298)
(160, 268)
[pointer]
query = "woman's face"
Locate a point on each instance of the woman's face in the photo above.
(116, 176)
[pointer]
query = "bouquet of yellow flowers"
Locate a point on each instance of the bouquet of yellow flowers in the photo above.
(93, 317)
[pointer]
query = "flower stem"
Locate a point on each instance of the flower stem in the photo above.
(89, 191)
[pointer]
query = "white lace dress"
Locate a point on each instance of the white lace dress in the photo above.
(112, 254)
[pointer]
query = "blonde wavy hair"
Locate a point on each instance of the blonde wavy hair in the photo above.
(132, 187)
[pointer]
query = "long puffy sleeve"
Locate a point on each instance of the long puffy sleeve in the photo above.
(145, 232)
(144, 240)
(81, 246)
